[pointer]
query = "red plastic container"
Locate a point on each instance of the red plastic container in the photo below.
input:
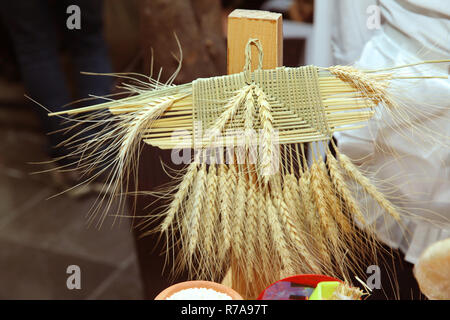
(297, 287)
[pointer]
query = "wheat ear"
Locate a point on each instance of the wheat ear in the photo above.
(339, 221)
(373, 87)
(334, 203)
(356, 175)
(239, 217)
(122, 165)
(321, 203)
(342, 188)
(362, 244)
(179, 197)
(278, 236)
(312, 219)
(135, 129)
(210, 219)
(248, 113)
(198, 197)
(355, 238)
(227, 182)
(267, 263)
(265, 114)
(250, 144)
(291, 195)
(142, 121)
(252, 226)
(231, 109)
(345, 292)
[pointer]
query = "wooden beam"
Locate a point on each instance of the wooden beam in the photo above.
(267, 28)
(263, 25)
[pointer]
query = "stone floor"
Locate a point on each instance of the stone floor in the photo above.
(41, 237)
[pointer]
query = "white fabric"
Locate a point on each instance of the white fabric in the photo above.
(348, 39)
(412, 31)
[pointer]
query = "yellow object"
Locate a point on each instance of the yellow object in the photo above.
(324, 290)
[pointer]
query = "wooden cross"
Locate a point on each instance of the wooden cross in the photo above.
(268, 28)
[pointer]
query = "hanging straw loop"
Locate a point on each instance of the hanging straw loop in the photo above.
(248, 58)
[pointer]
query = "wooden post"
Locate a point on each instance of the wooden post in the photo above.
(268, 28)
(263, 25)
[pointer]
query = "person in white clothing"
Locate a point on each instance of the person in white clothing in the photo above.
(417, 165)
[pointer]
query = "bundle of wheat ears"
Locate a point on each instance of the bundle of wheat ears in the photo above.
(251, 196)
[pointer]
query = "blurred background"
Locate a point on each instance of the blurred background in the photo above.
(41, 237)
(42, 53)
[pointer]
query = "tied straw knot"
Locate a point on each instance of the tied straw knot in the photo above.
(248, 58)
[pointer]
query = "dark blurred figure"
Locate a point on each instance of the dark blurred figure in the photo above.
(39, 31)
